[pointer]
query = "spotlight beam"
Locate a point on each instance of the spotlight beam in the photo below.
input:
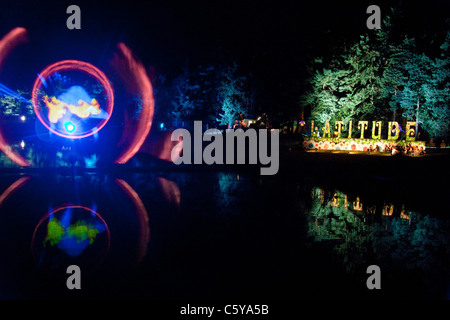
(5, 91)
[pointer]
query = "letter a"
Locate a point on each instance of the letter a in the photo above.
(74, 281)
(74, 21)
(185, 146)
(374, 281)
(374, 21)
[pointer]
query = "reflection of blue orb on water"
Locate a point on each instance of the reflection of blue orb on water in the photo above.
(73, 236)
(70, 234)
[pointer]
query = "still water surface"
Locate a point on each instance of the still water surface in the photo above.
(216, 235)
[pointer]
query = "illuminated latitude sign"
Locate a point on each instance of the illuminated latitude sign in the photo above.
(325, 139)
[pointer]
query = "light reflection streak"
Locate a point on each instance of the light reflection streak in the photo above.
(13, 188)
(171, 192)
(142, 215)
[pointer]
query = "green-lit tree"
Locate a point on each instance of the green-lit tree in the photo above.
(379, 78)
(205, 78)
(210, 93)
(350, 85)
(232, 97)
(191, 95)
(424, 89)
(182, 104)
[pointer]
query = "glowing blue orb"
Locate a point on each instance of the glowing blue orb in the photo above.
(69, 126)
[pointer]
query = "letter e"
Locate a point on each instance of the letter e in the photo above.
(74, 281)
(74, 21)
(374, 281)
(374, 21)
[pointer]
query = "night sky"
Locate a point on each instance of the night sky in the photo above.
(272, 41)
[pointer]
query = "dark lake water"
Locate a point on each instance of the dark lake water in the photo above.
(309, 232)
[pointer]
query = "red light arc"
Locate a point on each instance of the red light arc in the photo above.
(137, 82)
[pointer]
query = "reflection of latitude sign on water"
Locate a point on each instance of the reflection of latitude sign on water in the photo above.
(57, 109)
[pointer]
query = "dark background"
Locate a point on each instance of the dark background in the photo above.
(272, 41)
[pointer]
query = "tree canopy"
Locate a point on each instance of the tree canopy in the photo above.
(213, 94)
(380, 78)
